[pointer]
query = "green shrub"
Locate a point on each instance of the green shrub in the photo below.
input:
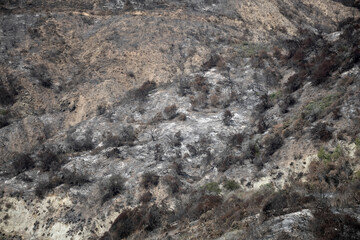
(357, 146)
(319, 108)
(212, 187)
(330, 156)
(231, 185)
(246, 49)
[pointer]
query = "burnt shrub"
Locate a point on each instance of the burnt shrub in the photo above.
(272, 143)
(112, 187)
(236, 140)
(321, 131)
(4, 121)
(299, 57)
(125, 224)
(100, 110)
(145, 197)
(277, 52)
(229, 160)
(81, 142)
(295, 81)
(142, 92)
(214, 61)
(200, 101)
(6, 97)
(171, 111)
(277, 202)
(149, 179)
(73, 178)
(199, 83)
(184, 87)
(272, 77)
(327, 225)
(215, 100)
(41, 72)
(172, 182)
(178, 168)
(264, 104)
(50, 161)
(131, 220)
(322, 71)
(126, 137)
(203, 204)
(113, 141)
(44, 187)
(227, 117)
(251, 149)
(285, 102)
(22, 162)
(182, 117)
(285, 201)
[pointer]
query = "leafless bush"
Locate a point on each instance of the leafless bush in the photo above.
(145, 197)
(112, 187)
(80, 143)
(50, 161)
(182, 117)
(149, 180)
(227, 118)
(214, 61)
(131, 220)
(22, 162)
(321, 131)
(4, 121)
(229, 160)
(142, 92)
(172, 182)
(272, 143)
(171, 111)
(6, 96)
(236, 140)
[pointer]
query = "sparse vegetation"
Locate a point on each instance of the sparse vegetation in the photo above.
(319, 108)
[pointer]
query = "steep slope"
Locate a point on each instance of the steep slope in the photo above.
(179, 119)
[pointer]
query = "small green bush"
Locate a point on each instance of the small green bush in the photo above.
(212, 187)
(357, 146)
(324, 155)
(330, 156)
(319, 108)
(231, 185)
